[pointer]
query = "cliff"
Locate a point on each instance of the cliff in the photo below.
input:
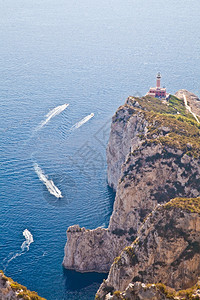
(166, 250)
(10, 290)
(153, 156)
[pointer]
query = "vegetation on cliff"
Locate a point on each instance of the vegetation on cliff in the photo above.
(20, 291)
(169, 123)
(189, 204)
(157, 291)
(173, 106)
(188, 294)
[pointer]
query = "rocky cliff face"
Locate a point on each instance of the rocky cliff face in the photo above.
(152, 175)
(10, 290)
(166, 250)
(153, 156)
(91, 250)
(123, 139)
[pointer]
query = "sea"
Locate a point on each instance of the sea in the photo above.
(65, 67)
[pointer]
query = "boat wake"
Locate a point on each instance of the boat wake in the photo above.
(83, 121)
(51, 187)
(28, 240)
(24, 248)
(54, 112)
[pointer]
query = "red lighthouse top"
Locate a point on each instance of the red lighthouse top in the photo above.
(158, 92)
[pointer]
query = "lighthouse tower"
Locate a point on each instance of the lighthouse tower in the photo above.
(158, 92)
(158, 78)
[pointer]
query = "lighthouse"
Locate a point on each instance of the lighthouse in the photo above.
(158, 92)
(158, 78)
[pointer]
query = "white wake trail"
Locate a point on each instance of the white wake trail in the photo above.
(24, 247)
(51, 187)
(54, 112)
(83, 121)
(29, 239)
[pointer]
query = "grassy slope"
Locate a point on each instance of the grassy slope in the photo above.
(184, 131)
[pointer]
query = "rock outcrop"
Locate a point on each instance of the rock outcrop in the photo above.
(10, 290)
(153, 156)
(91, 250)
(192, 99)
(166, 250)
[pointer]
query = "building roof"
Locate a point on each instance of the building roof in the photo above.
(157, 89)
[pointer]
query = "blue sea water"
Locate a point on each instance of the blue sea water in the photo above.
(92, 55)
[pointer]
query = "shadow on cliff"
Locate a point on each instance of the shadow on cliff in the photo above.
(111, 195)
(77, 281)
